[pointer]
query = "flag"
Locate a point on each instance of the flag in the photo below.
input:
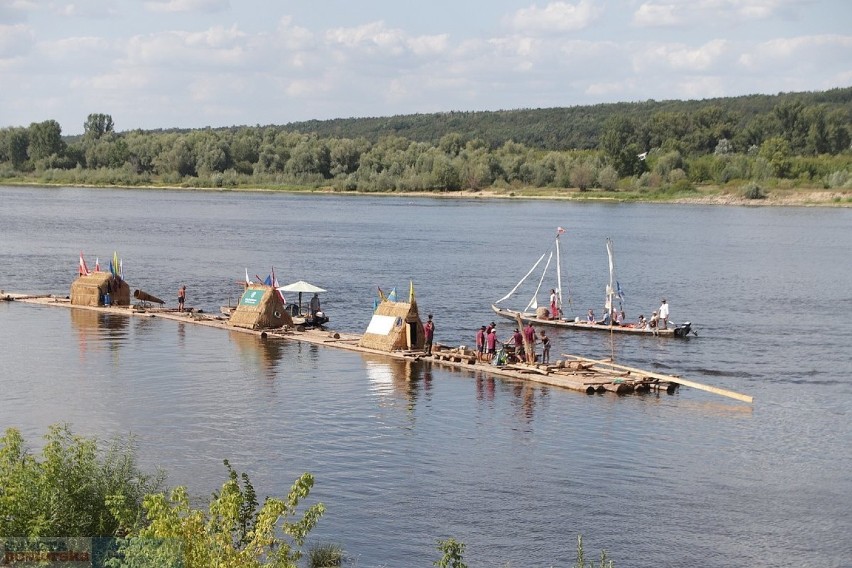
(559, 230)
(620, 293)
(268, 280)
(379, 299)
(275, 285)
(83, 268)
(97, 264)
(121, 268)
(248, 280)
(113, 266)
(392, 296)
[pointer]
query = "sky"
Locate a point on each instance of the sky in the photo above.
(196, 63)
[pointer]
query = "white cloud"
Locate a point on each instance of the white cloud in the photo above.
(204, 6)
(703, 12)
(800, 52)
(620, 89)
(649, 15)
(95, 9)
(429, 45)
(373, 36)
(209, 48)
(15, 40)
(679, 57)
(704, 87)
(554, 17)
(376, 38)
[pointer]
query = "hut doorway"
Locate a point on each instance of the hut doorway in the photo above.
(411, 334)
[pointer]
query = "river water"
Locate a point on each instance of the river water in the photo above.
(406, 454)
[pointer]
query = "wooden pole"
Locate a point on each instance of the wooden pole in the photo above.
(671, 379)
(528, 348)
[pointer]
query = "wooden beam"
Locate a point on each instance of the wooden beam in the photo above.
(669, 378)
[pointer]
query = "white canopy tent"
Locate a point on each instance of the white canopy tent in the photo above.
(301, 286)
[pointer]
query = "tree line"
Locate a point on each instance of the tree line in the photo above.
(649, 145)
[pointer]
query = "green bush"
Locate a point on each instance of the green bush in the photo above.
(325, 556)
(753, 191)
(76, 488)
(234, 532)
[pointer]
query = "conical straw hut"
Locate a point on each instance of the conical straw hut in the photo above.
(92, 289)
(260, 307)
(394, 326)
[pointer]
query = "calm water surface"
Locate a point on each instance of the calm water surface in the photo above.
(406, 454)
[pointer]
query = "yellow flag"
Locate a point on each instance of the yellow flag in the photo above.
(411, 292)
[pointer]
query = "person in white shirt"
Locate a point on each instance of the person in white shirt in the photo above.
(664, 315)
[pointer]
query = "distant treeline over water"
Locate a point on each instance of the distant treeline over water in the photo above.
(644, 146)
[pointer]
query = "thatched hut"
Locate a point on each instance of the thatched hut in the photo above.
(395, 326)
(260, 307)
(92, 289)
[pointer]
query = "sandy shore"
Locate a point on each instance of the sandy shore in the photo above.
(798, 197)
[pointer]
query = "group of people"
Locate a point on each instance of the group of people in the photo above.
(659, 319)
(486, 342)
(523, 344)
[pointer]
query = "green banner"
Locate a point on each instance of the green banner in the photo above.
(252, 297)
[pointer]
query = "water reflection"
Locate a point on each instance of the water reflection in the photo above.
(96, 330)
(400, 378)
(525, 396)
(261, 355)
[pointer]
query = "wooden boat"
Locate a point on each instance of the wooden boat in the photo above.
(544, 316)
(680, 330)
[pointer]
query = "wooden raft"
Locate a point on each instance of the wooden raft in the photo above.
(575, 372)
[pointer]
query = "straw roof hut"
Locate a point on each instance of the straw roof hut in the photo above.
(395, 326)
(91, 290)
(260, 307)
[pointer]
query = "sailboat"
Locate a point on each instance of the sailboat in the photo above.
(552, 315)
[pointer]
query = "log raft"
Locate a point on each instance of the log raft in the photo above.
(582, 374)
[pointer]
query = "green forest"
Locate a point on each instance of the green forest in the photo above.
(750, 142)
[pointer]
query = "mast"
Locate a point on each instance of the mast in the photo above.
(558, 277)
(610, 288)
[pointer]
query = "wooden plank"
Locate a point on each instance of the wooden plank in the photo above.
(669, 378)
(526, 368)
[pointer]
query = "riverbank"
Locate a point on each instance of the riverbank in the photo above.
(702, 195)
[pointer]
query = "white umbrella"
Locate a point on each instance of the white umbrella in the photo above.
(301, 286)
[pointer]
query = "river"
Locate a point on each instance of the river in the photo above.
(407, 454)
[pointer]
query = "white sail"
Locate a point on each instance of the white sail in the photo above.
(610, 287)
(518, 285)
(533, 303)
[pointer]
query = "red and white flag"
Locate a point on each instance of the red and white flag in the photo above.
(97, 264)
(83, 268)
(559, 230)
(275, 285)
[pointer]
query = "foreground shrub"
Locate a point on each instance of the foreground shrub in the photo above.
(232, 533)
(74, 489)
(452, 551)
